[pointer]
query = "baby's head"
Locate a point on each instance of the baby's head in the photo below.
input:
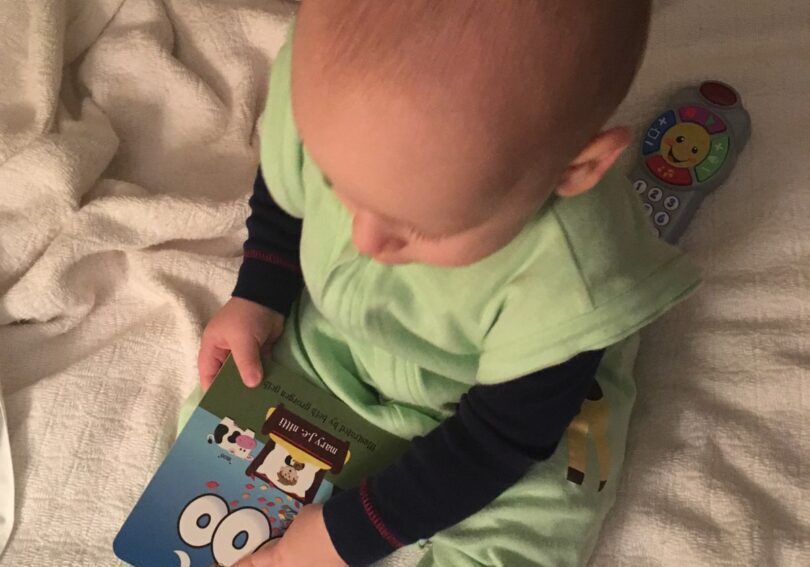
(444, 125)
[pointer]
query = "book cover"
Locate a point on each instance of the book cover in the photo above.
(244, 465)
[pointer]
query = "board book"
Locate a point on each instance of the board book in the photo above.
(244, 465)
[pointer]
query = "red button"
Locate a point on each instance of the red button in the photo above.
(692, 113)
(718, 93)
(668, 174)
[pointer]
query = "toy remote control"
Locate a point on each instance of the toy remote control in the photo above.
(688, 152)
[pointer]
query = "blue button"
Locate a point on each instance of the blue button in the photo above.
(656, 131)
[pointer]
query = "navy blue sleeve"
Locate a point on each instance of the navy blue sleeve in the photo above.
(271, 270)
(497, 433)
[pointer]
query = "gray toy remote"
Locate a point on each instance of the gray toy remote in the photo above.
(688, 152)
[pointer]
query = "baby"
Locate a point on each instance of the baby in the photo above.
(438, 237)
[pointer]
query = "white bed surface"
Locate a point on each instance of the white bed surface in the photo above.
(127, 146)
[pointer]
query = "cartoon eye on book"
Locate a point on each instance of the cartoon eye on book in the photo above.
(208, 521)
(231, 438)
(297, 455)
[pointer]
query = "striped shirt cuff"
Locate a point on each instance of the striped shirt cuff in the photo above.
(358, 533)
(269, 280)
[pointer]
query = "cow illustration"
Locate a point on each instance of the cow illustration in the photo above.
(297, 455)
(233, 439)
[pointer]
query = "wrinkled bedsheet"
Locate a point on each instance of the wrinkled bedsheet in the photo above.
(127, 149)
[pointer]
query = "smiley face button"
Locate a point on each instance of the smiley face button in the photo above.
(685, 145)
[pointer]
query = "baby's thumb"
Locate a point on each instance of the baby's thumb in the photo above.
(265, 556)
(245, 353)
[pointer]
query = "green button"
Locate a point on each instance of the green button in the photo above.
(715, 160)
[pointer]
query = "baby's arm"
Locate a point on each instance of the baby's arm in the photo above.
(271, 268)
(496, 435)
(268, 283)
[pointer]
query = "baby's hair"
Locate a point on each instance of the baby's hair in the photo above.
(557, 65)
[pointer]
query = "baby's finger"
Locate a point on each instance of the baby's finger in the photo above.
(245, 352)
(267, 348)
(262, 557)
(209, 361)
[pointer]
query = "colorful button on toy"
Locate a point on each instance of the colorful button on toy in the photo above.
(671, 203)
(693, 113)
(715, 160)
(665, 172)
(702, 116)
(714, 125)
(718, 93)
(652, 140)
(662, 219)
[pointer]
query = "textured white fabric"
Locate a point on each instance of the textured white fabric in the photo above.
(127, 148)
(6, 482)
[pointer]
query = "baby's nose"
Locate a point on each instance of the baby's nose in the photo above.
(374, 237)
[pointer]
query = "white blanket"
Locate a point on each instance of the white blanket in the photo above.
(127, 148)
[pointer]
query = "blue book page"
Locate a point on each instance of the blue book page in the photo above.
(244, 465)
(202, 509)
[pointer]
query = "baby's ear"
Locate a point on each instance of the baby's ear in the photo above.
(593, 162)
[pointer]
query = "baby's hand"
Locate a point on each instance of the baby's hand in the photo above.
(243, 328)
(305, 544)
